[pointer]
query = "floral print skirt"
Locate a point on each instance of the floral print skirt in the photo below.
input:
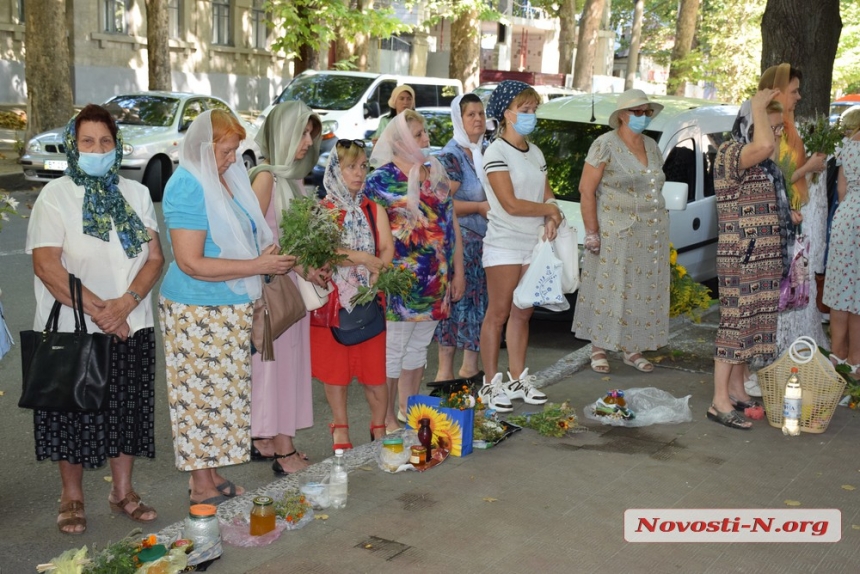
(463, 328)
(207, 352)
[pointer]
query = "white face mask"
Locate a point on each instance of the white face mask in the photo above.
(426, 151)
(96, 164)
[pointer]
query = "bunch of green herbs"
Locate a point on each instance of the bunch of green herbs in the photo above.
(292, 507)
(555, 420)
(820, 136)
(310, 231)
(392, 280)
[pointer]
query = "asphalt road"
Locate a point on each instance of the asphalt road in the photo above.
(29, 490)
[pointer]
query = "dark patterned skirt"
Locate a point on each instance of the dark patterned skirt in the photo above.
(128, 424)
(463, 328)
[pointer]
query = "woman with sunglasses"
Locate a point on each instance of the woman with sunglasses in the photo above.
(367, 243)
(281, 401)
(623, 302)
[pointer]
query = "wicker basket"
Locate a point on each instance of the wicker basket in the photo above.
(821, 385)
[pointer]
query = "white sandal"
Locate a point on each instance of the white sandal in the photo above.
(598, 365)
(641, 364)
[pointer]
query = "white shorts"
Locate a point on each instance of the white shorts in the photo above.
(494, 256)
(406, 345)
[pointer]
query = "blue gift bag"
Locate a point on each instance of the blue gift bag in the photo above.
(453, 427)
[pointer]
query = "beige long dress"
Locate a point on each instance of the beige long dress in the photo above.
(623, 301)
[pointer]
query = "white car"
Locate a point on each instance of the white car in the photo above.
(688, 132)
(152, 125)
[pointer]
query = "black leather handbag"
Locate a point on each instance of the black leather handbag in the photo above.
(364, 323)
(65, 371)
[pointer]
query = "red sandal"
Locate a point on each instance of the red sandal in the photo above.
(339, 445)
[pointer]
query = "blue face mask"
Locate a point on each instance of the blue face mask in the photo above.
(525, 124)
(638, 125)
(96, 164)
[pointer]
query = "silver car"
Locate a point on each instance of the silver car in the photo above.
(152, 125)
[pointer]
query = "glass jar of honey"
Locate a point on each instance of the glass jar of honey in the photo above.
(393, 444)
(262, 516)
(419, 455)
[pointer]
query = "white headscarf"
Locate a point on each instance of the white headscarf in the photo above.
(228, 217)
(397, 140)
(356, 232)
(462, 138)
(279, 139)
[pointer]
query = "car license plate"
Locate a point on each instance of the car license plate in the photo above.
(56, 165)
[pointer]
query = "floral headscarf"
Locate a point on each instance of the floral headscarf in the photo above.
(104, 205)
(787, 230)
(397, 140)
(778, 77)
(279, 140)
(356, 232)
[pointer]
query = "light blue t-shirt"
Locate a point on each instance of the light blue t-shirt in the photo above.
(184, 207)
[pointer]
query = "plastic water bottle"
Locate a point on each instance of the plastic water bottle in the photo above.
(792, 405)
(338, 486)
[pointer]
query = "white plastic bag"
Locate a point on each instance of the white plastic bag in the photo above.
(541, 283)
(650, 406)
(566, 248)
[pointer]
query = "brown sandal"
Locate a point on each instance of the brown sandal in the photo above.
(76, 509)
(133, 498)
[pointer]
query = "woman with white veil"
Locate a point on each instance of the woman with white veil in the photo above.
(281, 396)
(221, 245)
(414, 191)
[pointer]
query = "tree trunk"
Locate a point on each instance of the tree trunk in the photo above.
(465, 63)
(362, 41)
(47, 71)
(566, 36)
(685, 29)
(589, 25)
(807, 39)
(635, 38)
(157, 47)
(308, 57)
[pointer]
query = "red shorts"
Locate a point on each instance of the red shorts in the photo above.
(336, 364)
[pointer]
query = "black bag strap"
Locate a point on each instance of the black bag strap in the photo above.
(78, 305)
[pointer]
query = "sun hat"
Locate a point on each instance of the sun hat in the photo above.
(632, 99)
(502, 97)
(396, 92)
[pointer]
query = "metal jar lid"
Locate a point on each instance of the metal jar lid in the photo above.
(263, 501)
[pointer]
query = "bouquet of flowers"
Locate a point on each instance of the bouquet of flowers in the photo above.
(685, 295)
(462, 400)
(8, 206)
(392, 280)
(310, 231)
(292, 507)
(555, 420)
(487, 430)
(819, 136)
(127, 556)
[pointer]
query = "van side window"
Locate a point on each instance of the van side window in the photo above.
(381, 94)
(711, 143)
(680, 166)
(427, 95)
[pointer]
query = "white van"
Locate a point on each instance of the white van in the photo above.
(688, 132)
(351, 103)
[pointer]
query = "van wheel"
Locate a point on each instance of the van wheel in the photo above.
(154, 179)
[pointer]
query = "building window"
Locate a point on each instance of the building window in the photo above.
(20, 12)
(259, 25)
(174, 18)
(221, 22)
(116, 16)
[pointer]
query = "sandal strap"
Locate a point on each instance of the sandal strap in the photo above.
(72, 506)
(288, 455)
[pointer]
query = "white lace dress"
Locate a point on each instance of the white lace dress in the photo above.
(807, 321)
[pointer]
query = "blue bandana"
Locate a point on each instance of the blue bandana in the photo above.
(104, 205)
(502, 97)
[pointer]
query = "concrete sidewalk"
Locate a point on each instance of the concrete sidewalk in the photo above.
(549, 505)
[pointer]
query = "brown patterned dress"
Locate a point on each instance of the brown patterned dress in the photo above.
(749, 260)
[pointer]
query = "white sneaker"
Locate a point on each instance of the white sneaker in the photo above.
(752, 387)
(494, 397)
(523, 388)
